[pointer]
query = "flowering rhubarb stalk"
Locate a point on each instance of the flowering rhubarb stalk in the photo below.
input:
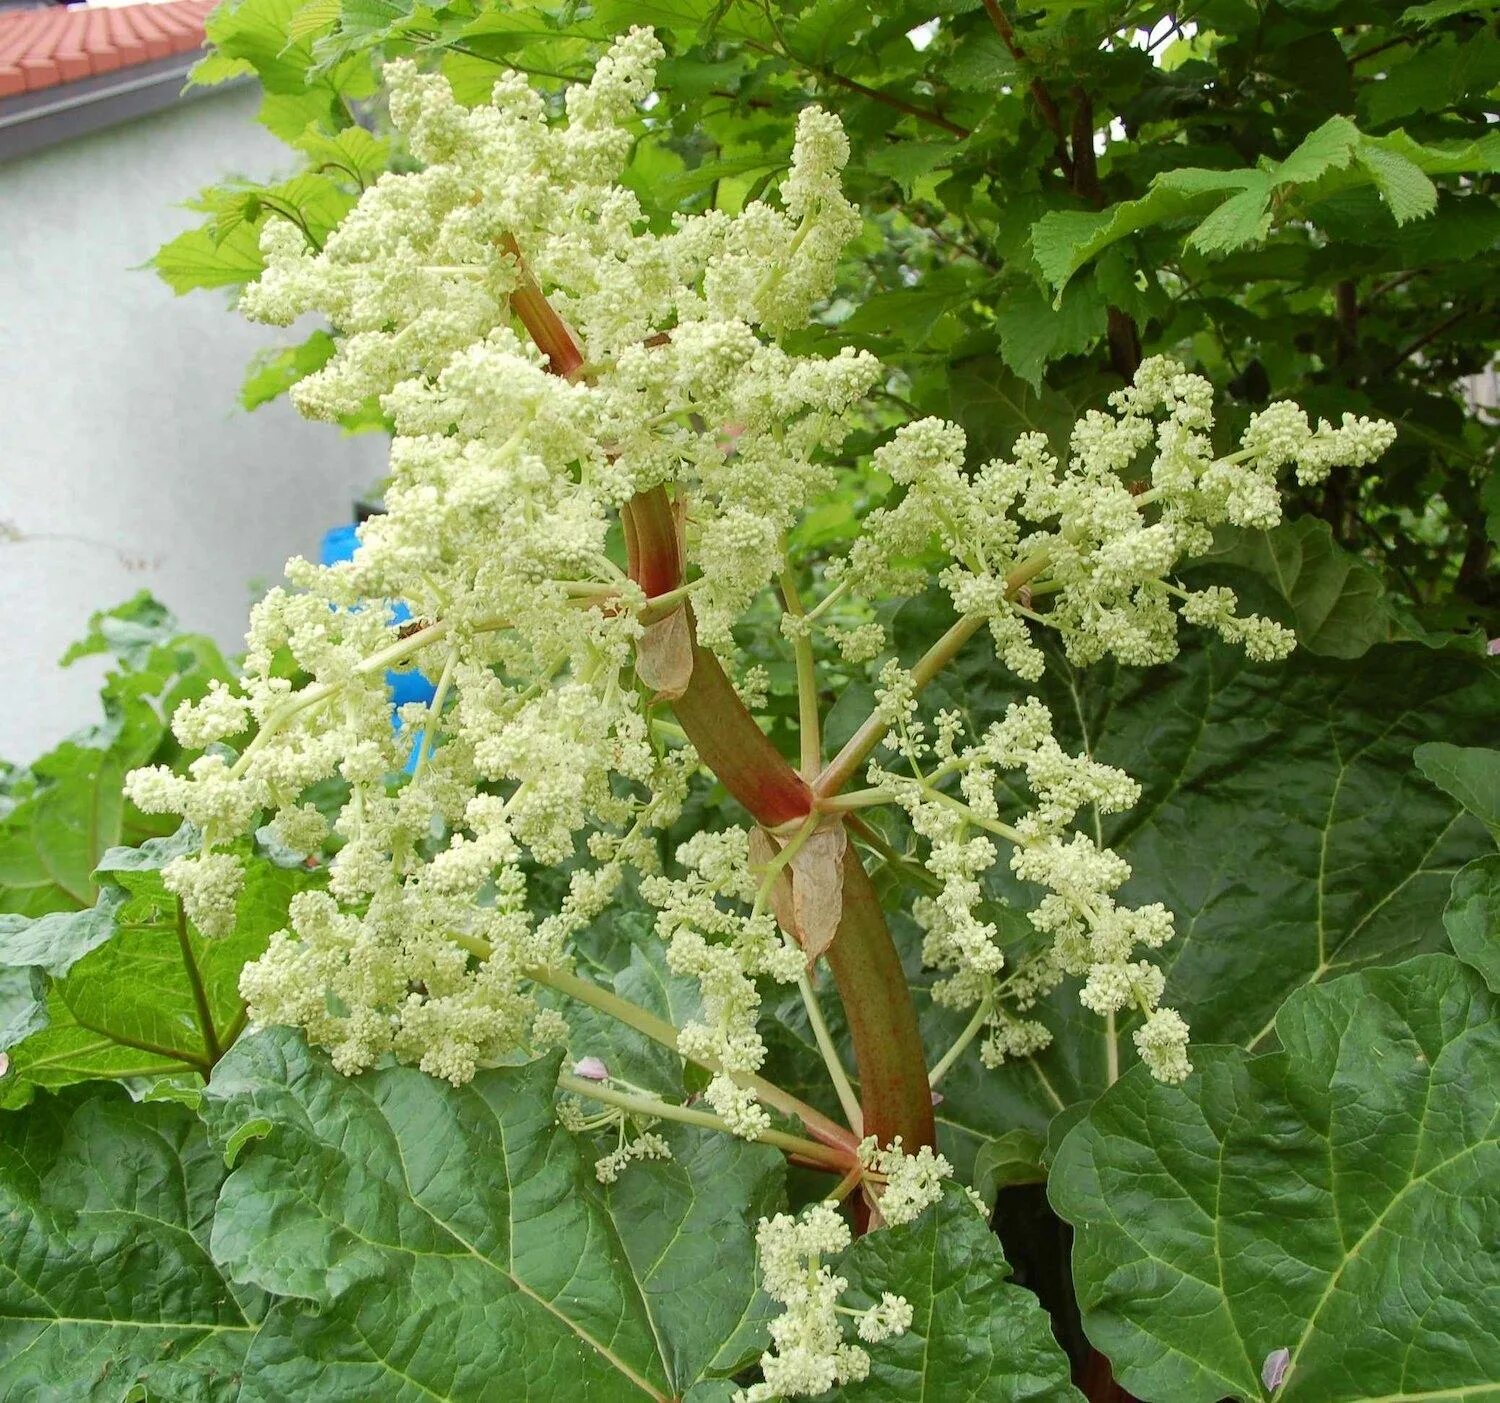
(601, 451)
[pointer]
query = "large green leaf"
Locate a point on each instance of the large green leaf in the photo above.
(1470, 773)
(107, 1289)
(454, 1237)
(1338, 1200)
(71, 809)
(974, 1337)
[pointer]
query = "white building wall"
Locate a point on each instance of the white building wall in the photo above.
(125, 461)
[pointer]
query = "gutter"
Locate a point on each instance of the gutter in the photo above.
(32, 122)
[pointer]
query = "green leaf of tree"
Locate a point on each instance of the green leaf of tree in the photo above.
(196, 259)
(108, 1289)
(452, 1237)
(1063, 241)
(276, 373)
(1328, 1200)
(974, 1337)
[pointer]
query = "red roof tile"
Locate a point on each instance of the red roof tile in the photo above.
(43, 48)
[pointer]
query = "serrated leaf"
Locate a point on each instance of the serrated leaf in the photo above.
(1401, 182)
(454, 1236)
(1034, 332)
(974, 1336)
(1435, 10)
(313, 17)
(1472, 919)
(108, 1287)
(272, 375)
(1326, 1200)
(1064, 240)
(1471, 774)
(1242, 219)
(906, 162)
(1329, 147)
(196, 259)
(353, 151)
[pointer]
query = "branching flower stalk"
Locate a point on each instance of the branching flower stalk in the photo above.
(601, 453)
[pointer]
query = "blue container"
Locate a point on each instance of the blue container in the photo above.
(411, 686)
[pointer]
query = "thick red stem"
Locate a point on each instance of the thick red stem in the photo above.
(890, 1060)
(893, 1092)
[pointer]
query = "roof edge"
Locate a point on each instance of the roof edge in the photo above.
(32, 122)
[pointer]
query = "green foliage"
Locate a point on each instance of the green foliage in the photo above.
(61, 814)
(1337, 602)
(136, 991)
(101, 974)
(109, 1290)
(1471, 774)
(1296, 209)
(1472, 918)
(981, 1336)
(1327, 1200)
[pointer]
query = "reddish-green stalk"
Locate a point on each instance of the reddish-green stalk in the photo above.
(889, 1057)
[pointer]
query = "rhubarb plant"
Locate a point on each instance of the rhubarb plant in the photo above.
(516, 1110)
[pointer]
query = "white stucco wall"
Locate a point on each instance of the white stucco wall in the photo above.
(125, 461)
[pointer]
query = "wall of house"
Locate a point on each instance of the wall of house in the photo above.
(125, 461)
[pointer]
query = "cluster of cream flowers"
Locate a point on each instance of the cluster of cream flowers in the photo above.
(1087, 551)
(506, 480)
(1141, 491)
(514, 460)
(810, 1354)
(1089, 936)
(712, 938)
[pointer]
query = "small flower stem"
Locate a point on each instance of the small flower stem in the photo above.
(660, 1031)
(852, 800)
(808, 1150)
(439, 697)
(809, 739)
(846, 1185)
(861, 745)
(990, 825)
(840, 1078)
(961, 1043)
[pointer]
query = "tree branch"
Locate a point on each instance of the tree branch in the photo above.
(1039, 94)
